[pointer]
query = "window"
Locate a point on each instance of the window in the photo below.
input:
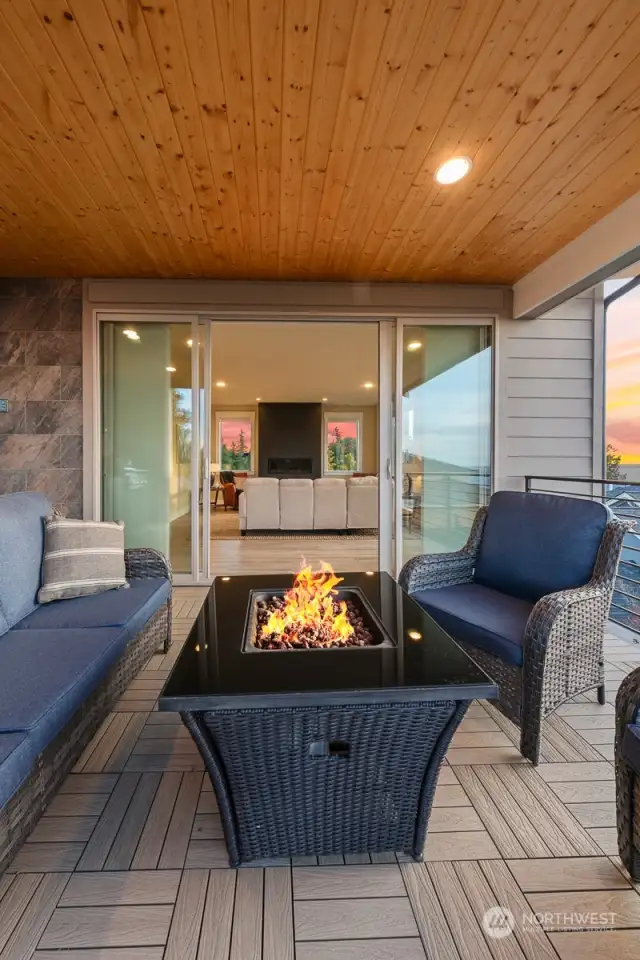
(342, 443)
(236, 440)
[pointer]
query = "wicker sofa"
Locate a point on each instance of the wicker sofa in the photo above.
(627, 757)
(528, 597)
(62, 664)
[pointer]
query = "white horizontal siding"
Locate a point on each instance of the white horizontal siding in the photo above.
(561, 369)
(541, 387)
(545, 395)
(567, 427)
(549, 349)
(536, 408)
(534, 446)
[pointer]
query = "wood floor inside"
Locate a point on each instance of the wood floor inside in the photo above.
(129, 863)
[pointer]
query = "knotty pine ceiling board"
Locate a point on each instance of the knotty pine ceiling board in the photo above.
(297, 139)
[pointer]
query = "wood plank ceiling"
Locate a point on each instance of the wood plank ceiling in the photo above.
(298, 138)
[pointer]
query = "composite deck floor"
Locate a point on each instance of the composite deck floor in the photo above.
(129, 862)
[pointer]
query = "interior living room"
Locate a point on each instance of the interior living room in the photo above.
(319, 479)
(294, 446)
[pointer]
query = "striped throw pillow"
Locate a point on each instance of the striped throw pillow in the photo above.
(81, 557)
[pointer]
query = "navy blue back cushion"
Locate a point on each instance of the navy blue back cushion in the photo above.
(538, 543)
(21, 543)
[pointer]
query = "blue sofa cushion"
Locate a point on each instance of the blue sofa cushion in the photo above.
(17, 754)
(21, 544)
(631, 745)
(47, 674)
(536, 543)
(474, 614)
(128, 609)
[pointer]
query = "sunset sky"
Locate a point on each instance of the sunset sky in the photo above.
(230, 432)
(346, 429)
(623, 375)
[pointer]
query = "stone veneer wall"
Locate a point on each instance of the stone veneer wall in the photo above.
(41, 377)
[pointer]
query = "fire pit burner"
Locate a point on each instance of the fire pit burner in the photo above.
(367, 630)
(312, 615)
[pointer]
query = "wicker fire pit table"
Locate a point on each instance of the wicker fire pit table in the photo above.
(320, 751)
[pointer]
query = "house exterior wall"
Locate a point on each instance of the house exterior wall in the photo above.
(549, 386)
(41, 378)
(550, 395)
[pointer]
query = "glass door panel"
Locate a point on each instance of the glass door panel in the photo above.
(147, 434)
(444, 464)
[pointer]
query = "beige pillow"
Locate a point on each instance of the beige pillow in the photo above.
(81, 557)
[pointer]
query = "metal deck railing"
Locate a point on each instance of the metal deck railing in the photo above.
(623, 499)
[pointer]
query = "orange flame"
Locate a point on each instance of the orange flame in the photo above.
(310, 603)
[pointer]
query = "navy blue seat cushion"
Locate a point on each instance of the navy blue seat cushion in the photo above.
(17, 753)
(631, 745)
(21, 544)
(493, 621)
(536, 543)
(46, 675)
(128, 609)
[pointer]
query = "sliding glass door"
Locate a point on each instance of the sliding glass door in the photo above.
(443, 434)
(149, 431)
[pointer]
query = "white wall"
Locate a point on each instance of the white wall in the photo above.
(550, 403)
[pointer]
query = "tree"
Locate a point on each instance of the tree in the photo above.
(614, 459)
(342, 452)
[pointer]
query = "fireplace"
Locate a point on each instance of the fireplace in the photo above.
(289, 466)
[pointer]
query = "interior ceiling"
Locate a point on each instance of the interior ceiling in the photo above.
(284, 362)
(298, 138)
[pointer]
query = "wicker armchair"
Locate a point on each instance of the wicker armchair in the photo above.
(560, 645)
(627, 757)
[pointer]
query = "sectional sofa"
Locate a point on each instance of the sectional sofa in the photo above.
(62, 664)
(328, 503)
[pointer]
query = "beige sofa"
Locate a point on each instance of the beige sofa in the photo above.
(328, 503)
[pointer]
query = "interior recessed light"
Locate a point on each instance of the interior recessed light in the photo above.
(131, 334)
(171, 369)
(189, 343)
(368, 385)
(414, 635)
(226, 578)
(453, 170)
(257, 399)
(324, 399)
(414, 345)
(369, 573)
(221, 383)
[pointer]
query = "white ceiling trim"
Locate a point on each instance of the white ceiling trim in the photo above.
(610, 245)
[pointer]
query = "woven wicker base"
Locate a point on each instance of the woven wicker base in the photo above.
(20, 815)
(279, 796)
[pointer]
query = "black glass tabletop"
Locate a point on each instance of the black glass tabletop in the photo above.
(410, 658)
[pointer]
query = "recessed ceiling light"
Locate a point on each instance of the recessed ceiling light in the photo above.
(414, 345)
(453, 170)
(368, 385)
(171, 369)
(221, 383)
(226, 578)
(369, 573)
(414, 635)
(131, 334)
(257, 399)
(189, 343)
(324, 399)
